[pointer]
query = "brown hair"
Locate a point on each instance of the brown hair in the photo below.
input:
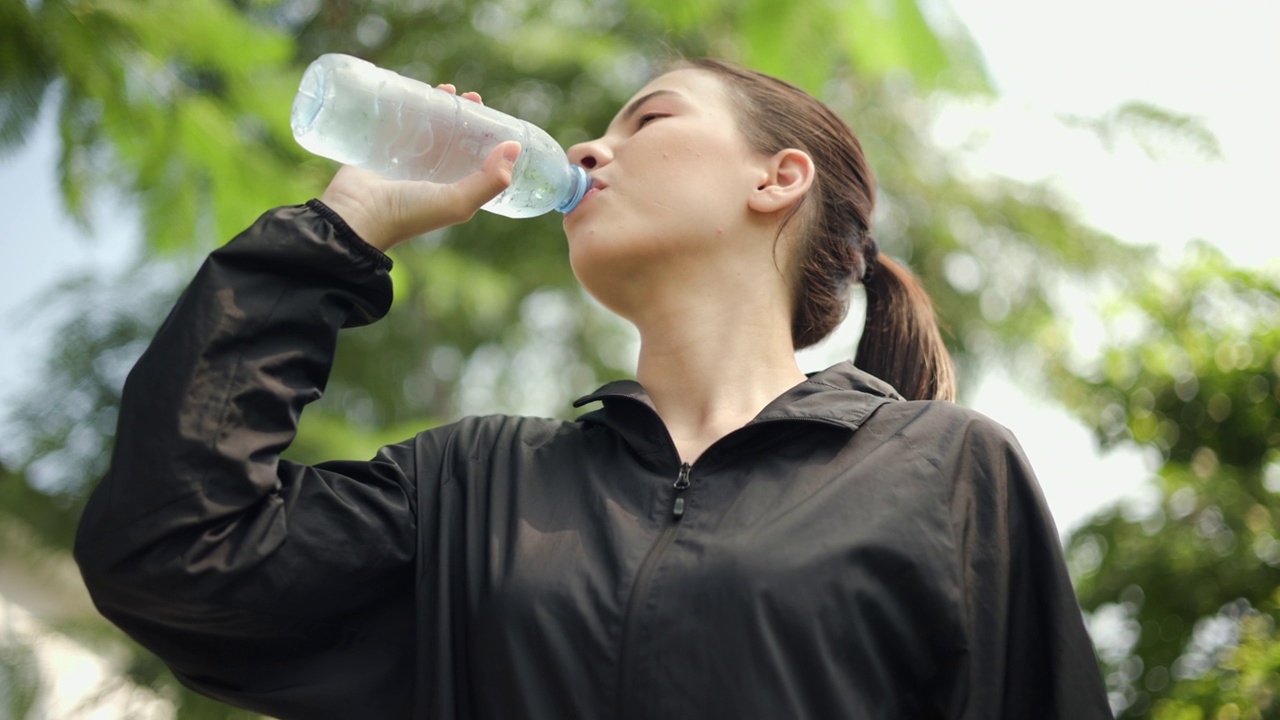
(900, 342)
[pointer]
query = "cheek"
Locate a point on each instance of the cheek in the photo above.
(669, 158)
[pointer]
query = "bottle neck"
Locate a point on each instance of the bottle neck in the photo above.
(578, 187)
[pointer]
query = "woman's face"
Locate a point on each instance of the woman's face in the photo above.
(672, 177)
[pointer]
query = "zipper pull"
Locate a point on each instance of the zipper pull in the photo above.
(681, 484)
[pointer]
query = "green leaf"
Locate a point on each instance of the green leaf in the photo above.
(1155, 129)
(26, 72)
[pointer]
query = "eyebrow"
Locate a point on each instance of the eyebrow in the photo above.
(634, 107)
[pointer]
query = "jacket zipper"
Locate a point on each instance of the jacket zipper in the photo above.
(681, 484)
(640, 589)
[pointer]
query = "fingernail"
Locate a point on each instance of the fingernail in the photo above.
(511, 152)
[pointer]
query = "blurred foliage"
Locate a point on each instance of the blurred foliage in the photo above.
(181, 108)
(1242, 687)
(1190, 370)
(1154, 129)
(19, 679)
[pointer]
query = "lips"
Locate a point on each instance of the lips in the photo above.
(596, 186)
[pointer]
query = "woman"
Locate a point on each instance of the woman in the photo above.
(724, 538)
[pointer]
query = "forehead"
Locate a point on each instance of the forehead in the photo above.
(699, 87)
(691, 79)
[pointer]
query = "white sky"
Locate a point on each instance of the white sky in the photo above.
(1211, 60)
(1214, 61)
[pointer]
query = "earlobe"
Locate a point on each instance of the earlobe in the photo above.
(788, 176)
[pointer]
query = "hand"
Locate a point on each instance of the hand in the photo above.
(385, 213)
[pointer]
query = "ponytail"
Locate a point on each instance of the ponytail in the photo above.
(900, 342)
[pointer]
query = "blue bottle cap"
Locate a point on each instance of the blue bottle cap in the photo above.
(582, 183)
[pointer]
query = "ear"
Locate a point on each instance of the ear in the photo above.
(784, 179)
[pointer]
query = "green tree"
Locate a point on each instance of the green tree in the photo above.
(1192, 372)
(182, 107)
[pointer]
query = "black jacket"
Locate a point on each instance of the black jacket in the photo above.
(847, 554)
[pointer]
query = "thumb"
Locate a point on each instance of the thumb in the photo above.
(492, 178)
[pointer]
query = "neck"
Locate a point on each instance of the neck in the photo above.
(710, 368)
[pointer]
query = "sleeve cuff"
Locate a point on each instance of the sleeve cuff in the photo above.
(349, 236)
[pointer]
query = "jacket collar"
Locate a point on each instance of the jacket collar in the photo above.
(840, 395)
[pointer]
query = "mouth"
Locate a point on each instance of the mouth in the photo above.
(596, 186)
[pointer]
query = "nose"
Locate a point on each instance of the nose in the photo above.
(591, 154)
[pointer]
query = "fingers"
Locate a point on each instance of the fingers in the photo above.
(387, 212)
(452, 90)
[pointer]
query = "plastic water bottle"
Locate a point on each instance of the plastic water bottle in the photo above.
(354, 112)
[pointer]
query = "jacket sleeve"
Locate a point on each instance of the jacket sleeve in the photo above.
(277, 587)
(1029, 654)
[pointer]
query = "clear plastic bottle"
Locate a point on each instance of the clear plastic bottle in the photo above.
(354, 112)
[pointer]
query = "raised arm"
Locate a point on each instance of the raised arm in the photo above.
(282, 588)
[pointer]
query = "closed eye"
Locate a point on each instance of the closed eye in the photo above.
(648, 118)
